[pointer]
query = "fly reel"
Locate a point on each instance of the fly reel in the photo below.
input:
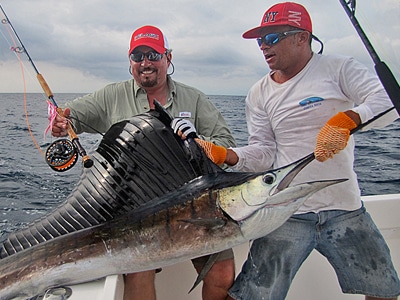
(61, 155)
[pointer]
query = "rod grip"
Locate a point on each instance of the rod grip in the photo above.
(390, 84)
(44, 85)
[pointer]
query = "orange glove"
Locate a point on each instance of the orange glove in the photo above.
(216, 153)
(333, 137)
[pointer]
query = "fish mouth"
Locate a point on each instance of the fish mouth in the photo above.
(290, 171)
(285, 175)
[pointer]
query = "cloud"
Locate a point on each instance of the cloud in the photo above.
(60, 79)
(81, 45)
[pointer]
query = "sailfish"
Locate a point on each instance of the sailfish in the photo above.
(150, 200)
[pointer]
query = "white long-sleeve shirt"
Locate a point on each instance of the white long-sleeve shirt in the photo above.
(284, 120)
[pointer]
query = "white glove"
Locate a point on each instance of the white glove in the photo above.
(185, 126)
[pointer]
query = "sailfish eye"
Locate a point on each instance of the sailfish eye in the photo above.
(269, 178)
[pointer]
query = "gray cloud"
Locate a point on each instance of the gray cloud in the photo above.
(84, 44)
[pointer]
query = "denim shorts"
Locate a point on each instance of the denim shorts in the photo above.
(348, 239)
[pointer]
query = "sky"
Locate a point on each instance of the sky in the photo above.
(80, 46)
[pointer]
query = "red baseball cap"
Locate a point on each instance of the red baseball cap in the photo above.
(149, 36)
(286, 13)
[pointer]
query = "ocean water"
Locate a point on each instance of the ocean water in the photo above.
(29, 188)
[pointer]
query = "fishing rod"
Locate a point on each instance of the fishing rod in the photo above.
(62, 154)
(385, 75)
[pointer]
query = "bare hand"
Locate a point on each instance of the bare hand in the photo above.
(60, 124)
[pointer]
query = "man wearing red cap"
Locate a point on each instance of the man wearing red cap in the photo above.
(286, 110)
(150, 58)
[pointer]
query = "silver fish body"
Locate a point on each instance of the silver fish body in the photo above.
(184, 224)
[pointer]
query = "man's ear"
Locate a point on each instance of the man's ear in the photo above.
(304, 36)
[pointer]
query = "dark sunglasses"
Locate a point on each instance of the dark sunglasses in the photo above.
(151, 56)
(273, 38)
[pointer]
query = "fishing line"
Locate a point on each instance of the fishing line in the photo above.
(87, 125)
(381, 43)
(61, 155)
(386, 76)
(17, 51)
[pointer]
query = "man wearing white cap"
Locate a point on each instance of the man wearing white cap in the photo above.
(150, 57)
(286, 110)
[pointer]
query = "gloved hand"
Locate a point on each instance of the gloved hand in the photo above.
(216, 153)
(333, 137)
(185, 126)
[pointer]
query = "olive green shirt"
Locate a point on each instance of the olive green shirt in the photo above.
(116, 102)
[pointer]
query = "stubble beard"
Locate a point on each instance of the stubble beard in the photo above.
(146, 81)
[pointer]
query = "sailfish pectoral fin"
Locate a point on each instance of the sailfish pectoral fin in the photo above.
(206, 268)
(207, 223)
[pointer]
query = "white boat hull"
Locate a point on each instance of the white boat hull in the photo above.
(315, 280)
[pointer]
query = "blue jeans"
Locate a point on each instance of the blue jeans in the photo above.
(348, 239)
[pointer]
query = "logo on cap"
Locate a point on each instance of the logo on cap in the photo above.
(295, 17)
(147, 35)
(270, 16)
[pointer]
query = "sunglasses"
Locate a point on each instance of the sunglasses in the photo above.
(273, 38)
(151, 56)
